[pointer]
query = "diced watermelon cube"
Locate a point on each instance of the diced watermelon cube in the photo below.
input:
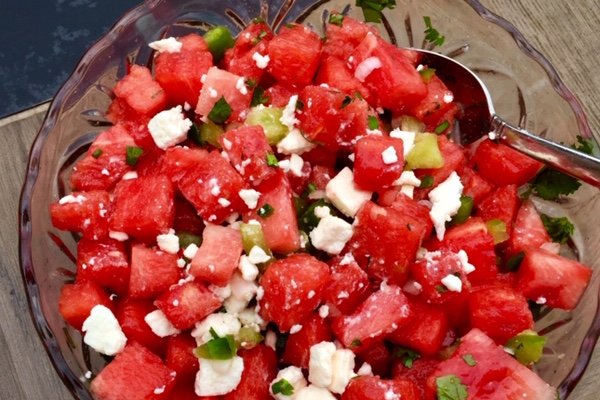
(347, 288)
(454, 160)
(223, 84)
(499, 312)
(281, 227)
(104, 262)
(140, 92)
(77, 300)
(437, 103)
(130, 314)
(503, 204)
(135, 124)
(474, 185)
(528, 231)
(86, 213)
(294, 55)
(186, 304)
(247, 149)
(186, 218)
(213, 179)
(418, 373)
(179, 160)
(135, 373)
(496, 375)
(143, 207)
(179, 73)
(378, 162)
(218, 255)
(382, 313)
(558, 280)
(426, 330)
(104, 171)
(417, 213)
(375, 388)
(377, 355)
(293, 288)
(179, 357)
(320, 119)
(340, 41)
(335, 73)
(260, 368)
(152, 272)
(354, 123)
(279, 95)
(501, 165)
(253, 39)
(297, 348)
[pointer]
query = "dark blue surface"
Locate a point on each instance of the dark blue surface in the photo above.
(41, 42)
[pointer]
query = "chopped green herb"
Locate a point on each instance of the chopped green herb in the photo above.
(258, 38)
(372, 122)
(250, 83)
(559, 229)
(426, 182)
(218, 348)
(441, 288)
(584, 145)
(185, 239)
(265, 211)
(97, 153)
(133, 155)
(311, 187)
(219, 39)
(194, 134)
(427, 74)
(356, 343)
(299, 105)
(441, 128)
(213, 333)
(272, 160)
(336, 19)
(464, 211)
(551, 184)
(407, 356)
(527, 347)
(258, 97)
(449, 387)
(220, 111)
(372, 8)
(469, 360)
(346, 102)
(431, 34)
(290, 25)
(514, 262)
(282, 386)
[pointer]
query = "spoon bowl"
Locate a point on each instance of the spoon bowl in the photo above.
(478, 118)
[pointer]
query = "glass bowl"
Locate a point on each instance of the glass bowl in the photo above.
(525, 88)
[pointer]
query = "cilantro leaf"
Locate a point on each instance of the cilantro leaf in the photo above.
(220, 111)
(584, 145)
(132, 155)
(282, 386)
(336, 19)
(469, 360)
(272, 160)
(449, 387)
(527, 347)
(372, 122)
(407, 356)
(97, 153)
(266, 210)
(551, 184)
(560, 229)
(372, 8)
(258, 97)
(431, 34)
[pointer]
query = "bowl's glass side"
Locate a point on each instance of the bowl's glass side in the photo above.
(525, 91)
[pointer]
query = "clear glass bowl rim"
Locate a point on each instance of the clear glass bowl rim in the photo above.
(71, 381)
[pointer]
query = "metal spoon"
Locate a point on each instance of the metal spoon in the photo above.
(481, 119)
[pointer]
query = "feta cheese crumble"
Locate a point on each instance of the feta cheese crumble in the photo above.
(169, 127)
(408, 178)
(295, 329)
(160, 325)
(250, 197)
(324, 311)
(294, 376)
(294, 143)
(320, 364)
(260, 60)
(167, 45)
(288, 116)
(389, 156)
(343, 370)
(168, 242)
(408, 139)
(118, 236)
(365, 68)
(344, 194)
(70, 199)
(452, 283)
(222, 323)
(257, 255)
(314, 393)
(248, 269)
(240, 85)
(331, 234)
(296, 165)
(190, 251)
(130, 175)
(218, 377)
(445, 199)
(103, 332)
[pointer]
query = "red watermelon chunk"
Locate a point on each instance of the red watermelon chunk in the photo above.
(186, 304)
(436, 100)
(135, 373)
(297, 348)
(425, 331)
(340, 41)
(416, 213)
(474, 185)
(130, 314)
(218, 255)
(378, 162)
(279, 95)
(180, 357)
(135, 124)
(179, 160)
(379, 315)
(454, 160)
(253, 39)
(260, 368)
(377, 355)
(354, 123)
(144, 95)
(219, 84)
(293, 288)
(179, 73)
(213, 179)
(348, 286)
(186, 218)
(320, 119)
(143, 207)
(375, 388)
(495, 376)
(281, 227)
(77, 300)
(294, 55)
(502, 204)
(501, 165)
(418, 373)
(85, 212)
(104, 262)
(105, 170)
(499, 312)
(152, 272)
(553, 278)
(528, 231)
(335, 73)
(385, 242)
(247, 149)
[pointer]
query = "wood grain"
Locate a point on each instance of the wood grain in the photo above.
(564, 31)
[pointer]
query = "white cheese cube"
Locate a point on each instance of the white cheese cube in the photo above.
(314, 393)
(344, 194)
(293, 375)
(218, 377)
(320, 364)
(343, 370)
(167, 45)
(294, 143)
(249, 270)
(160, 325)
(408, 139)
(452, 283)
(331, 234)
(168, 242)
(103, 332)
(169, 127)
(389, 155)
(258, 256)
(250, 197)
(222, 323)
(288, 116)
(445, 199)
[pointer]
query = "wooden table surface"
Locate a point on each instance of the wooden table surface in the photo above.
(566, 32)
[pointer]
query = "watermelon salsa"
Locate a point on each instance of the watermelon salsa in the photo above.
(285, 216)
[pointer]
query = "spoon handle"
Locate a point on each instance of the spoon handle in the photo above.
(565, 159)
